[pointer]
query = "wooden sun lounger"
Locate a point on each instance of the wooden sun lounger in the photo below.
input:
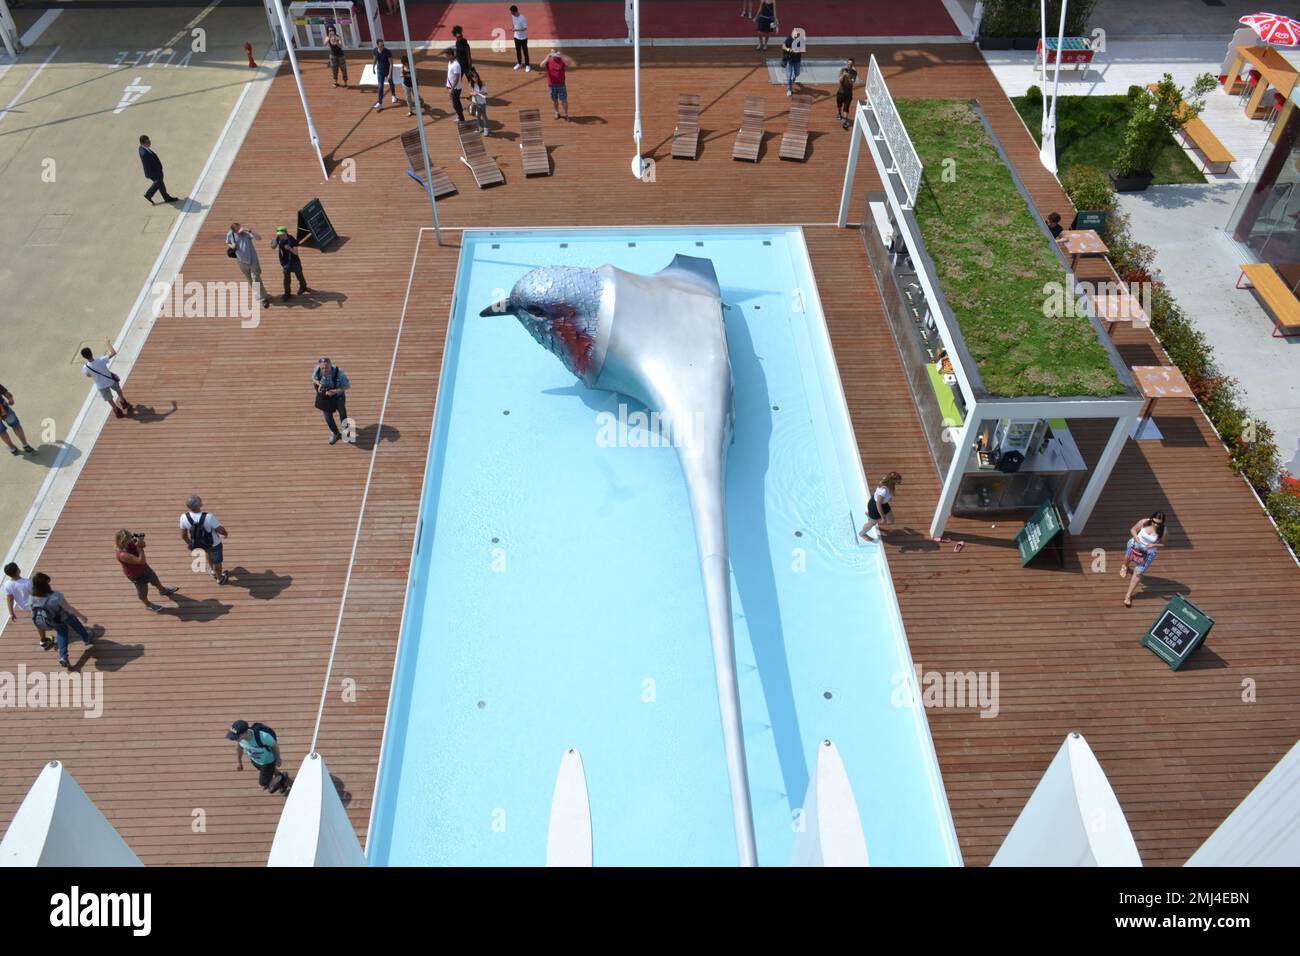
(794, 144)
(484, 167)
(750, 136)
(686, 137)
(442, 184)
(531, 147)
(1276, 294)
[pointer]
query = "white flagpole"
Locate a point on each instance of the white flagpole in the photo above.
(419, 122)
(1042, 24)
(638, 165)
(302, 94)
(1048, 153)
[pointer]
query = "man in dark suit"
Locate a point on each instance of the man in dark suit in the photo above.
(153, 172)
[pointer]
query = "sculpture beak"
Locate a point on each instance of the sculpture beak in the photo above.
(500, 308)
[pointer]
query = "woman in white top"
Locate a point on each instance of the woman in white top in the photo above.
(878, 508)
(519, 23)
(1145, 539)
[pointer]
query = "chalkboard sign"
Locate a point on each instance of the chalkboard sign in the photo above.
(1094, 220)
(1179, 630)
(315, 226)
(1042, 529)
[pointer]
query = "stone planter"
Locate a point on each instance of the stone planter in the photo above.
(1131, 184)
(994, 43)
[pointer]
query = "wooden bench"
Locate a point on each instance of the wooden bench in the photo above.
(794, 144)
(750, 136)
(531, 146)
(442, 184)
(1205, 142)
(1276, 295)
(686, 137)
(484, 167)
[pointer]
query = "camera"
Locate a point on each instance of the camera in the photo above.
(137, 537)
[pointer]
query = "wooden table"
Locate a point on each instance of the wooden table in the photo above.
(1156, 382)
(1276, 72)
(1119, 307)
(1081, 242)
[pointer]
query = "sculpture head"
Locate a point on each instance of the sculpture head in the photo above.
(560, 308)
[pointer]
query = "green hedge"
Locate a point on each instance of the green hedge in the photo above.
(1022, 18)
(1254, 456)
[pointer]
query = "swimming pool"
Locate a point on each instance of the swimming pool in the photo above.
(555, 597)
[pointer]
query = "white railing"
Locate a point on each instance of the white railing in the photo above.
(906, 163)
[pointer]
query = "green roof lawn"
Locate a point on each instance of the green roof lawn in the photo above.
(993, 261)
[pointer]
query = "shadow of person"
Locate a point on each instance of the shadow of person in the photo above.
(189, 609)
(108, 655)
(262, 585)
(366, 437)
(47, 453)
(148, 415)
(588, 120)
(345, 796)
(905, 539)
(313, 300)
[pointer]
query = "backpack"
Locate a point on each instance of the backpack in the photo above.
(200, 534)
(260, 734)
(48, 618)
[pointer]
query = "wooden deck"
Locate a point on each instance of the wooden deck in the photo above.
(1180, 748)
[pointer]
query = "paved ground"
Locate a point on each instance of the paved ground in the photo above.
(79, 239)
(1184, 18)
(1201, 262)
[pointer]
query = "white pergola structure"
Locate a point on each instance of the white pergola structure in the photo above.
(878, 125)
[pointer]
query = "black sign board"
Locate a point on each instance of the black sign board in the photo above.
(1179, 630)
(1043, 528)
(315, 226)
(1091, 219)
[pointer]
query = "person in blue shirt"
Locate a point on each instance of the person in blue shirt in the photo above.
(384, 71)
(263, 749)
(331, 384)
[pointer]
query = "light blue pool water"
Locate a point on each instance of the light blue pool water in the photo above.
(555, 597)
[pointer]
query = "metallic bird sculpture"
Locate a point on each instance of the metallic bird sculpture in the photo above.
(661, 340)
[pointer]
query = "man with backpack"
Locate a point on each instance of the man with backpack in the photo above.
(201, 531)
(263, 751)
(331, 385)
(51, 611)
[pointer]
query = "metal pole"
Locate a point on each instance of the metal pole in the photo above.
(297, 78)
(9, 31)
(1042, 72)
(419, 122)
(1048, 151)
(638, 165)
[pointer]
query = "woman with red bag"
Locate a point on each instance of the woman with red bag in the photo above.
(1145, 539)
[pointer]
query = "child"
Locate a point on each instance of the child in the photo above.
(478, 100)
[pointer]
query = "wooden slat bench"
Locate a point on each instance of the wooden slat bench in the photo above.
(750, 136)
(1276, 295)
(1204, 141)
(794, 144)
(442, 184)
(531, 146)
(686, 137)
(484, 167)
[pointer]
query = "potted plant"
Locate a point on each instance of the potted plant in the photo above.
(1155, 114)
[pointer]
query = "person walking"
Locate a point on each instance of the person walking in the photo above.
(844, 93)
(878, 509)
(747, 9)
(331, 384)
(286, 246)
(109, 385)
(201, 531)
(454, 74)
(556, 63)
(765, 22)
(338, 55)
(792, 51)
(384, 72)
(408, 87)
(153, 171)
(239, 246)
(463, 55)
(263, 748)
(519, 27)
(1145, 539)
(478, 102)
(130, 554)
(18, 596)
(8, 420)
(51, 611)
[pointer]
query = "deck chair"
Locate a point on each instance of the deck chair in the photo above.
(442, 184)
(794, 144)
(686, 137)
(484, 167)
(531, 147)
(750, 136)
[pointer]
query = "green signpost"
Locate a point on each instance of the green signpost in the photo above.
(1043, 528)
(315, 226)
(1179, 630)
(1092, 219)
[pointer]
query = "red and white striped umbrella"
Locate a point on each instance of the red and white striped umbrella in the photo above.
(1274, 28)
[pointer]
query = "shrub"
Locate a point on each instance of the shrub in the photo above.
(1088, 188)
(1136, 92)
(1285, 510)
(1034, 95)
(1143, 138)
(1106, 119)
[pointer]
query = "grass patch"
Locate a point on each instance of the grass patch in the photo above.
(993, 261)
(1090, 132)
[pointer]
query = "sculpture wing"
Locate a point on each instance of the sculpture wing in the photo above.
(693, 271)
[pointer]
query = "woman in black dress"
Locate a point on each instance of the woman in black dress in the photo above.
(765, 22)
